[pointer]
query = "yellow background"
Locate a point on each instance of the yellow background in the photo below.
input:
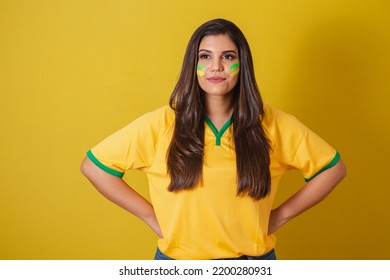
(73, 72)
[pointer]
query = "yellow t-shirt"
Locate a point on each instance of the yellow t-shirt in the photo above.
(211, 221)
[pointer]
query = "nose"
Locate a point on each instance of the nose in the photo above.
(216, 65)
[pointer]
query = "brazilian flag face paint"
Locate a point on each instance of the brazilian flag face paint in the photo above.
(235, 68)
(200, 70)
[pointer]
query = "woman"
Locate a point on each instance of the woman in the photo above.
(214, 158)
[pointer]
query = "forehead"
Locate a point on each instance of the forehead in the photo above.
(217, 43)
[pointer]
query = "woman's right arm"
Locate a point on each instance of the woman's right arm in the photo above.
(119, 192)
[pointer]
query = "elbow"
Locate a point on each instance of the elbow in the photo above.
(341, 170)
(85, 167)
(344, 174)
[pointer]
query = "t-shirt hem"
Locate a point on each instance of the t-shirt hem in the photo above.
(329, 165)
(111, 171)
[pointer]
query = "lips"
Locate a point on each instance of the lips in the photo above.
(216, 79)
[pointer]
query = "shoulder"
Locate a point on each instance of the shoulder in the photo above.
(283, 128)
(275, 119)
(160, 118)
(163, 113)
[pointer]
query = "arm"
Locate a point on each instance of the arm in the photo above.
(116, 190)
(308, 196)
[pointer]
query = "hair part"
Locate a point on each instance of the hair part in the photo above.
(185, 154)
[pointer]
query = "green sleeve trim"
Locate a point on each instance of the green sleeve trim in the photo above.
(218, 134)
(102, 166)
(329, 165)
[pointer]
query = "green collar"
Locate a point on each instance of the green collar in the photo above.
(218, 134)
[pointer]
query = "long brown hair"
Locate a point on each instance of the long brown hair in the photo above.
(185, 154)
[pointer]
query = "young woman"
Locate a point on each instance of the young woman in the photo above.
(214, 158)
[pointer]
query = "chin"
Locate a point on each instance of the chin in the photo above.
(218, 92)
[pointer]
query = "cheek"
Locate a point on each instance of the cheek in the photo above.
(234, 69)
(235, 73)
(200, 70)
(201, 82)
(200, 73)
(233, 80)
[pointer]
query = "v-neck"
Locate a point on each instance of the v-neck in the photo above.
(218, 134)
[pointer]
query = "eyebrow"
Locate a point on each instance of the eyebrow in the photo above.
(227, 51)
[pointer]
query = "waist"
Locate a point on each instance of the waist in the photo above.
(267, 256)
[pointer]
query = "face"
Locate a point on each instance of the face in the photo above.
(218, 65)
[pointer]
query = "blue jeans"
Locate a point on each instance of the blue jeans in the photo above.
(268, 256)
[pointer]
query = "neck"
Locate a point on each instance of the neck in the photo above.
(219, 109)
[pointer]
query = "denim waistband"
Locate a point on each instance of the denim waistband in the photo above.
(268, 256)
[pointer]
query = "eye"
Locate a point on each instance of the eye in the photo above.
(204, 56)
(228, 56)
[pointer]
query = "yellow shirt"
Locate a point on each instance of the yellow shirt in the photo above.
(211, 221)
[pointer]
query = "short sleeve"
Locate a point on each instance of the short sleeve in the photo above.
(300, 148)
(313, 155)
(132, 147)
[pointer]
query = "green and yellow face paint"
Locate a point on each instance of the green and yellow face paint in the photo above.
(235, 67)
(200, 70)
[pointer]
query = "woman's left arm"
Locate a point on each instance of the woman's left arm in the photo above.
(308, 196)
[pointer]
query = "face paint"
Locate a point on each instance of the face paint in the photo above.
(200, 70)
(235, 68)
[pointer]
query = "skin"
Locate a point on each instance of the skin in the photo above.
(119, 192)
(308, 196)
(216, 53)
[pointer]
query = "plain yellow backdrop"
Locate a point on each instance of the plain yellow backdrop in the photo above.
(72, 72)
